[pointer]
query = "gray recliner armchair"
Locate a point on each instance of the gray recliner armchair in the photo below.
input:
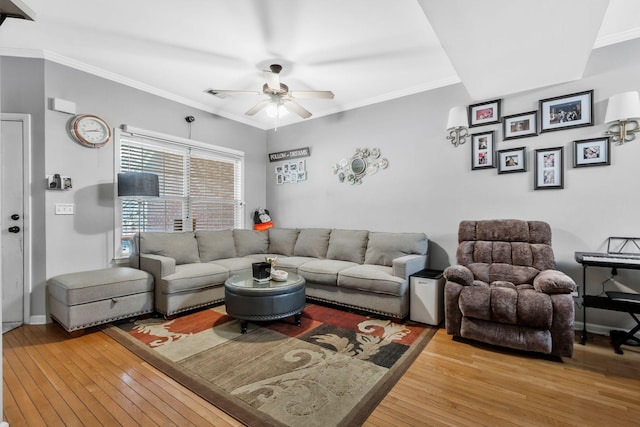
(505, 289)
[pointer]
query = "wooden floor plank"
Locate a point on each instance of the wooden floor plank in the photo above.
(35, 385)
(451, 383)
(78, 386)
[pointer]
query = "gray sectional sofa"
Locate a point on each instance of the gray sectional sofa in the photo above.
(354, 268)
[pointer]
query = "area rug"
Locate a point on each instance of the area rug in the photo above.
(333, 370)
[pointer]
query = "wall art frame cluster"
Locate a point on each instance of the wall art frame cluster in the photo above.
(556, 113)
(291, 172)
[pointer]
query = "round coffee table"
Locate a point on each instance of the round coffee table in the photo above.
(246, 299)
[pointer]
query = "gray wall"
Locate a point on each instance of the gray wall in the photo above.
(429, 185)
(85, 241)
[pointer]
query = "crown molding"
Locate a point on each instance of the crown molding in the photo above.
(617, 38)
(117, 78)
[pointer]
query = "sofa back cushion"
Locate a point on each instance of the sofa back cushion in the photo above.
(250, 242)
(348, 245)
(182, 246)
(213, 245)
(312, 242)
(383, 248)
(282, 240)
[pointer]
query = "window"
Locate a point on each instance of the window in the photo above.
(200, 185)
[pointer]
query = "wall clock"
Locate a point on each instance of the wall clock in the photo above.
(90, 130)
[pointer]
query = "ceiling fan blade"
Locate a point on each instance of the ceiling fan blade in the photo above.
(223, 93)
(259, 106)
(273, 80)
(319, 94)
(294, 107)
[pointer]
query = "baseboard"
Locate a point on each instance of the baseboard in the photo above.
(37, 320)
(594, 329)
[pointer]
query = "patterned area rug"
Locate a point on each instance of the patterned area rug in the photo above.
(333, 370)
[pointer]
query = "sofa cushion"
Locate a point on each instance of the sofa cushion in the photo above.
(312, 242)
(181, 246)
(372, 278)
(250, 242)
(190, 277)
(348, 245)
(503, 302)
(383, 248)
(282, 240)
(214, 245)
(291, 263)
(235, 265)
(324, 271)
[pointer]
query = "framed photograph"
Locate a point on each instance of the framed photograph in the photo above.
(591, 152)
(549, 173)
(482, 150)
(512, 160)
(520, 125)
(485, 113)
(565, 112)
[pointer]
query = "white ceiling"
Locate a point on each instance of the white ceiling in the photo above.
(365, 51)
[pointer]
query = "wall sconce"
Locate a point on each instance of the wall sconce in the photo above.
(458, 125)
(622, 108)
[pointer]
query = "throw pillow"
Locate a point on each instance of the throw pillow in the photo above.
(348, 245)
(250, 242)
(214, 245)
(312, 242)
(282, 240)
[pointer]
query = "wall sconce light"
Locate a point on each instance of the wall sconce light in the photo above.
(458, 125)
(621, 110)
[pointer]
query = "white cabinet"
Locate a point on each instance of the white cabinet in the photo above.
(426, 298)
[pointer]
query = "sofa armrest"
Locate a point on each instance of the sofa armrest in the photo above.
(405, 266)
(459, 274)
(554, 282)
(159, 266)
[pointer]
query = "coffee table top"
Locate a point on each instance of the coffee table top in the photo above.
(245, 281)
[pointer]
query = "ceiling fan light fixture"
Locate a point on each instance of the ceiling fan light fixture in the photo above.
(275, 110)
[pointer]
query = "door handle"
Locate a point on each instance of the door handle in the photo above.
(15, 217)
(14, 229)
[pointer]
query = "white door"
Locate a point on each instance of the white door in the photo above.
(13, 136)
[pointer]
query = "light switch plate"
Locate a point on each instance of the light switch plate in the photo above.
(65, 208)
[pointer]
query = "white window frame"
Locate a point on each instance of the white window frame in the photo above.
(132, 133)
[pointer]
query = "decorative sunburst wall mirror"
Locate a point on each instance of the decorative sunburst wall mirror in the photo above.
(364, 162)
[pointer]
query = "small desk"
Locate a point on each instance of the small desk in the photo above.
(247, 299)
(590, 259)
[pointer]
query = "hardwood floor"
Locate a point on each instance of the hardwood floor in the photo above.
(50, 379)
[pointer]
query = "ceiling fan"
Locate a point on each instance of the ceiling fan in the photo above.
(278, 94)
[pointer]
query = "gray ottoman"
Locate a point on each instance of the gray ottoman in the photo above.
(88, 298)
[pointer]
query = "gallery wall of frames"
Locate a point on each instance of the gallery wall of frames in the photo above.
(553, 114)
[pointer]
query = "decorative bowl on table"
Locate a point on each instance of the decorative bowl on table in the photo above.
(279, 275)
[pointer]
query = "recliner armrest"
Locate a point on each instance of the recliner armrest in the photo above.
(554, 282)
(459, 274)
(405, 266)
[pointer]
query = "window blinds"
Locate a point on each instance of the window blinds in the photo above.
(200, 189)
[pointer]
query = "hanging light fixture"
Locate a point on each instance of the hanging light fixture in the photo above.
(276, 109)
